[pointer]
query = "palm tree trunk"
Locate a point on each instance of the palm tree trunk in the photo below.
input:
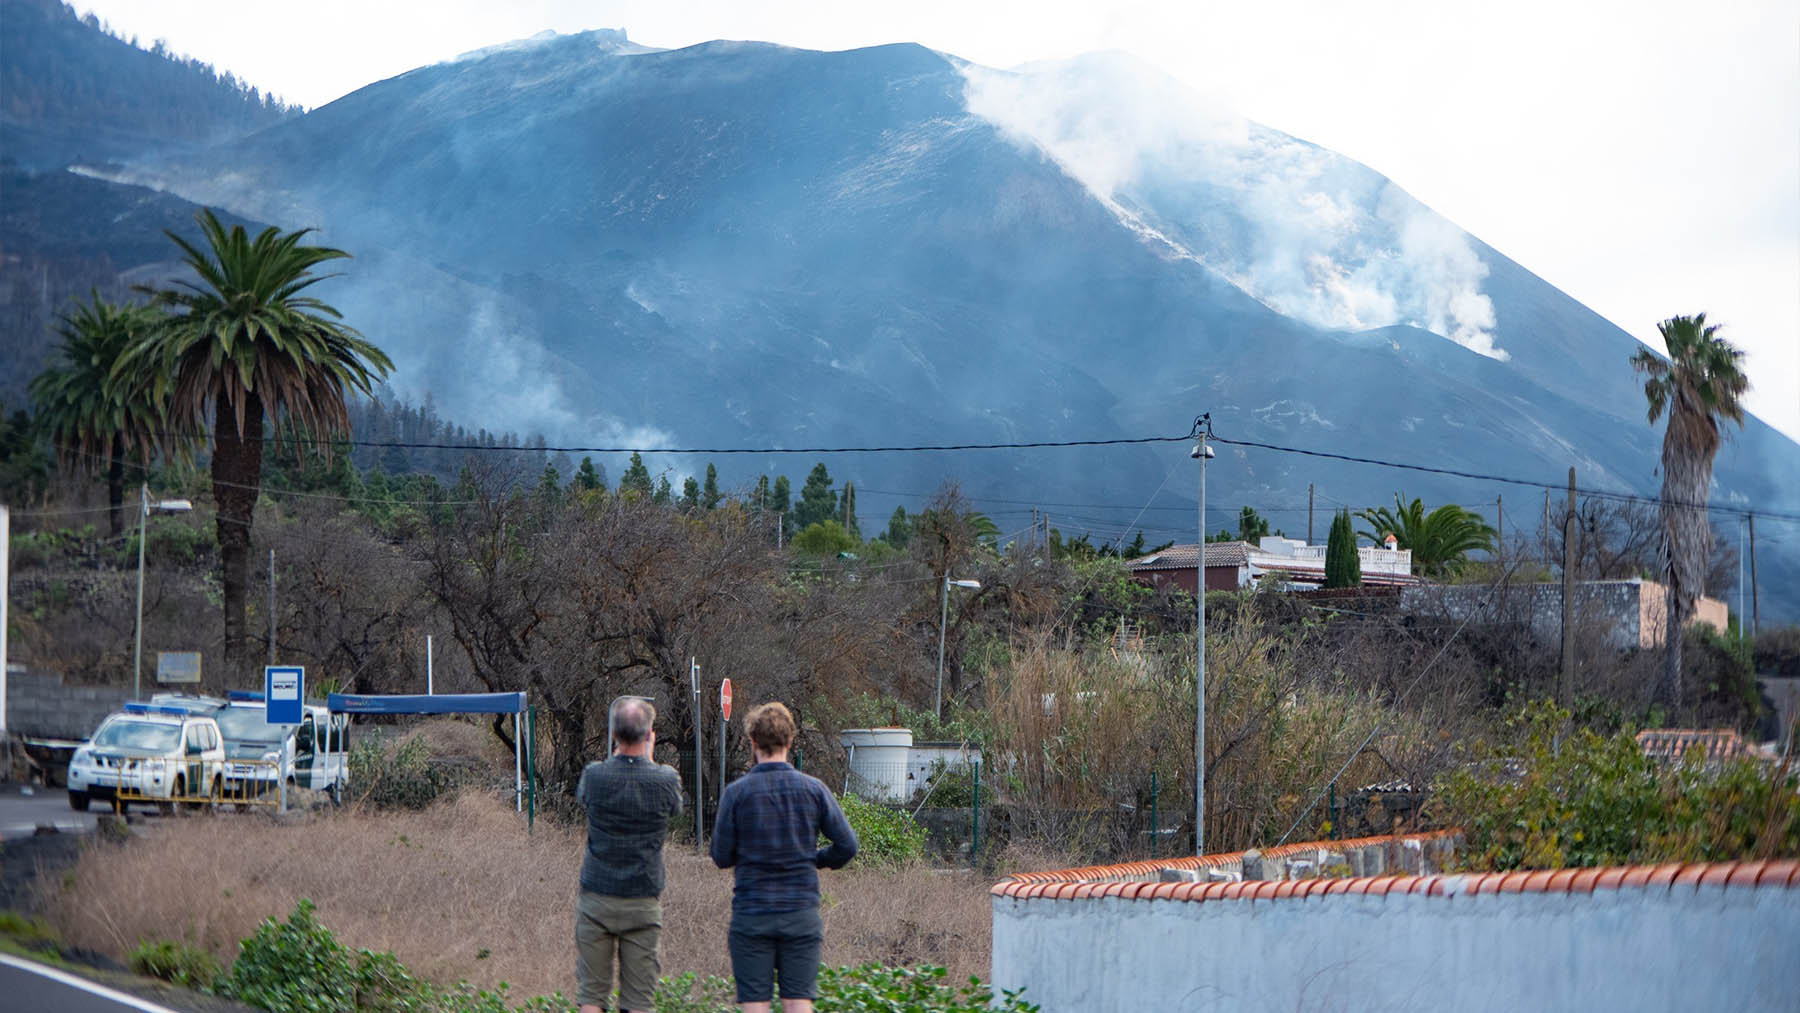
(1688, 449)
(236, 475)
(115, 487)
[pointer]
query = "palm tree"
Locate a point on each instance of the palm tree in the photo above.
(1700, 382)
(244, 343)
(94, 419)
(1437, 539)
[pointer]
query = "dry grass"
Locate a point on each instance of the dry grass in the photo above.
(442, 887)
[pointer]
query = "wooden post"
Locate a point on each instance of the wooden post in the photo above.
(1565, 685)
(1309, 513)
(1755, 607)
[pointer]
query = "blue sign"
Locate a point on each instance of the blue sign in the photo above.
(284, 688)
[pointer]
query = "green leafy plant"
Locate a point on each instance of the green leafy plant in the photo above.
(1550, 800)
(688, 992)
(176, 962)
(874, 988)
(886, 836)
(406, 778)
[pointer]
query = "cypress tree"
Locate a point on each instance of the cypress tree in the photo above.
(1342, 568)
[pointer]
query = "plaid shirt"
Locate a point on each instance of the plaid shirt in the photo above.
(629, 801)
(768, 831)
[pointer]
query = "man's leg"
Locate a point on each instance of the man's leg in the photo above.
(639, 928)
(594, 949)
(752, 963)
(797, 959)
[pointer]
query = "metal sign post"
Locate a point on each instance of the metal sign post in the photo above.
(284, 695)
(724, 719)
(699, 789)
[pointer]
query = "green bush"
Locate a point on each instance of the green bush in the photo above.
(180, 963)
(873, 988)
(298, 966)
(948, 786)
(885, 836)
(407, 778)
(28, 932)
(1554, 800)
(688, 992)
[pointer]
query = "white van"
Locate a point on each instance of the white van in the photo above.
(313, 754)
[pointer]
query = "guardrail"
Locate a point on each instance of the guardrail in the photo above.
(169, 783)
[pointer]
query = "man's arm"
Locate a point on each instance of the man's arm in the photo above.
(724, 842)
(835, 827)
(673, 785)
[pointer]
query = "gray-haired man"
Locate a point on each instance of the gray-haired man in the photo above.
(629, 800)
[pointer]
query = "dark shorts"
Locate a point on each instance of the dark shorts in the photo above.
(785, 945)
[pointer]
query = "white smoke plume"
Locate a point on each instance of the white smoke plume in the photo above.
(1308, 232)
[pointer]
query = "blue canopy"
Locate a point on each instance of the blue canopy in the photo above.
(431, 703)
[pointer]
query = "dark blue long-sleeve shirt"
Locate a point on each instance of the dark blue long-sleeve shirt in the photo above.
(768, 831)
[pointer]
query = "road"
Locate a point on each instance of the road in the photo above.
(21, 814)
(28, 985)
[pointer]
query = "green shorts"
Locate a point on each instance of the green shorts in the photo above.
(627, 927)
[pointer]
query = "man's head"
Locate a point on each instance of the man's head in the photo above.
(632, 719)
(771, 728)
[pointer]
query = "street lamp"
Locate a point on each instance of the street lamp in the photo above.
(167, 506)
(944, 620)
(1202, 452)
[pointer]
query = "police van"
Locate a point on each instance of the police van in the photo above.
(312, 754)
(149, 752)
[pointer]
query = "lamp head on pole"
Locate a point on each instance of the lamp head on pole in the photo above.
(972, 584)
(1202, 449)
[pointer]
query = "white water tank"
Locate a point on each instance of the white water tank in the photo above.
(878, 768)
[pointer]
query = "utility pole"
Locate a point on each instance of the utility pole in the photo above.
(1565, 684)
(1202, 429)
(1499, 527)
(1546, 528)
(1755, 608)
(1309, 513)
(271, 606)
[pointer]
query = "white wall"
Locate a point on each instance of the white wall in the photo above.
(1629, 948)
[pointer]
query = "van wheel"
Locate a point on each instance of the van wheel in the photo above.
(217, 794)
(175, 791)
(78, 800)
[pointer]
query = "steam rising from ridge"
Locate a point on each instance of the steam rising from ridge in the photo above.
(1309, 233)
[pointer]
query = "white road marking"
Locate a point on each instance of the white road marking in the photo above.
(122, 998)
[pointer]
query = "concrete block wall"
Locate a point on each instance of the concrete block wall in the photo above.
(1710, 936)
(1676, 937)
(40, 706)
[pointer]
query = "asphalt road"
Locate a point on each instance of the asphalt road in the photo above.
(21, 814)
(28, 985)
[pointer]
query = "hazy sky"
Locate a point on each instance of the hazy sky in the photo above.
(1642, 156)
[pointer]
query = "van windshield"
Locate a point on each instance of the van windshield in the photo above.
(145, 735)
(246, 724)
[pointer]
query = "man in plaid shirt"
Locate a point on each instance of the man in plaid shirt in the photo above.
(629, 799)
(768, 831)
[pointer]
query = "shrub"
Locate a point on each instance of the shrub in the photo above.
(687, 992)
(924, 989)
(179, 963)
(886, 836)
(1549, 801)
(293, 965)
(27, 932)
(407, 778)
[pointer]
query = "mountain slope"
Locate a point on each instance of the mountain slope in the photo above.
(739, 244)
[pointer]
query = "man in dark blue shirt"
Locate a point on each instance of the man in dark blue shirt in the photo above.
(629, 799)
(768, 831)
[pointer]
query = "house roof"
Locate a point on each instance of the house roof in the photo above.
(1181, 557)
(1720, 744)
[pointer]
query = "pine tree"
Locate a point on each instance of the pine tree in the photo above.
(664, 494)
(637, 478)
(1342, 567)
(588, 479)
(817, 501)
(899, 529)
(709, 493)
(690, 494)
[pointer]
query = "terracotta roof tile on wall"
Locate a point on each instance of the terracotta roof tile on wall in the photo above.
(1719, 744)
(1129, 880)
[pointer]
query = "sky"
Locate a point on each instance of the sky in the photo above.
(1642, 156)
